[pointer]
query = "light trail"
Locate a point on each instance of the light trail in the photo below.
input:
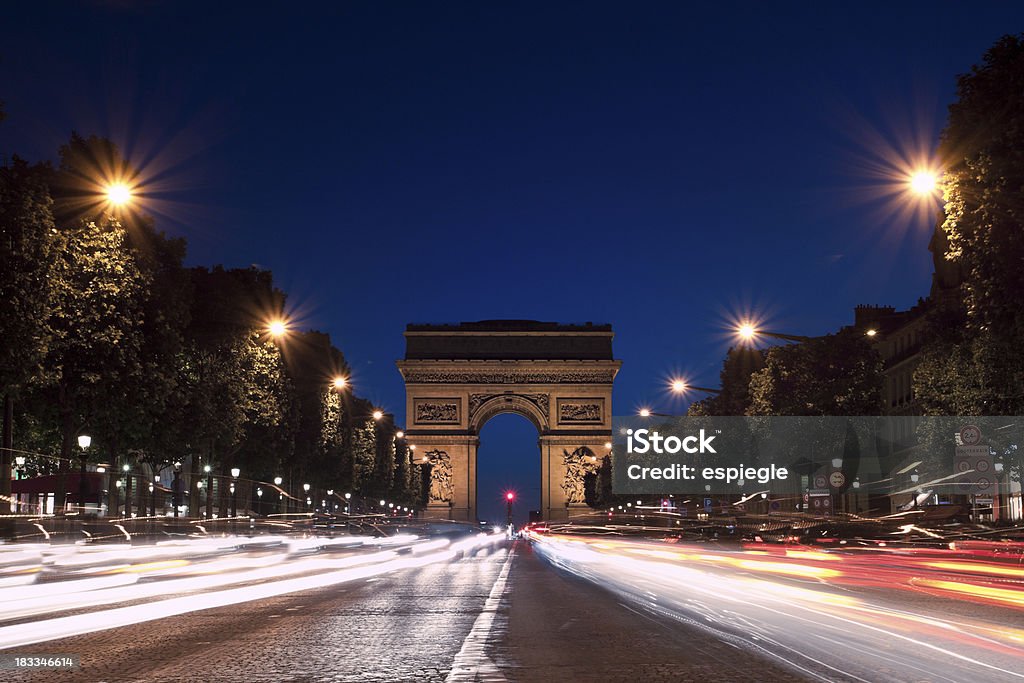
(831, 616)
(168, 581)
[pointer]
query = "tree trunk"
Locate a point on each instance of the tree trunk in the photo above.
(6, 446)
(67, 429)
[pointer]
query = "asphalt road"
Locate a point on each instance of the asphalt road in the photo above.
(483, 618)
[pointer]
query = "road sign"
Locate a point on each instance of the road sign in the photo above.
(975, 470)
(820, 481)
(821, 500)
(708, 504)
(836, 479)
(970, 435)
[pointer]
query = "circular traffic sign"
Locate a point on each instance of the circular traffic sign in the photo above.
(836, 479)
(970, 435)
(819, 482)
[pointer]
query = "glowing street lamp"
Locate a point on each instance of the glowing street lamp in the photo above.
(277, 328)
(339, 383)
(509, 497)
(118, 194)
(924, 182)
(748, 333)
(378, 414)
(681, 386)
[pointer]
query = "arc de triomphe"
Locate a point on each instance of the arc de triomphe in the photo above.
(457, 377)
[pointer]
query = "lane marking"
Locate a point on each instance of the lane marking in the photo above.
(472, 662)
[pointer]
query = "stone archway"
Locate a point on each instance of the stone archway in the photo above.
(457, 377)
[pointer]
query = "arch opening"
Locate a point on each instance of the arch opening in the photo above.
(508, 459)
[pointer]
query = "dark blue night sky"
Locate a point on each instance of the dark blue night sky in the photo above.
(658, 166)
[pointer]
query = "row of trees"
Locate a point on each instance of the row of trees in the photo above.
(107, 332)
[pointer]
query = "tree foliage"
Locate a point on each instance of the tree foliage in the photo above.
(29, 244)
(976, 364)
(107, 333)
(740, 364)
(837, 374)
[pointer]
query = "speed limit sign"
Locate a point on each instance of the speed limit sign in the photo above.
(970, 435)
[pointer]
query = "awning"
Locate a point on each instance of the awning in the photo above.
(94, 484)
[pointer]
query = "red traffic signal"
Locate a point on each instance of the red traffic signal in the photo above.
(510, 496)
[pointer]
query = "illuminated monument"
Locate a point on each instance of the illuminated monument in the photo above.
(559, 377)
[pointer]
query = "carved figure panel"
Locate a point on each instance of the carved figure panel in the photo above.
(441, 489)
(580, 411)
(436, 411)
(577, 465)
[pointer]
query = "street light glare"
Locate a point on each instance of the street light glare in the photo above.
(746, 331)
(118, 194)
(510, 496)
(339, 382)
(377, 414)
(277, 327)
(645, 412)
(923, 182)
(678, 386)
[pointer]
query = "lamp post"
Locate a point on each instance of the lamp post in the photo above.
(280, 495)
(681, 386)
(208, 469)
(234, 492)
(176, 488)
(127, 468)
(748, 332)
(19, 461)
(305, 488)
(509, 497)
(259, 499)
(84, 441)
(348, 497)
